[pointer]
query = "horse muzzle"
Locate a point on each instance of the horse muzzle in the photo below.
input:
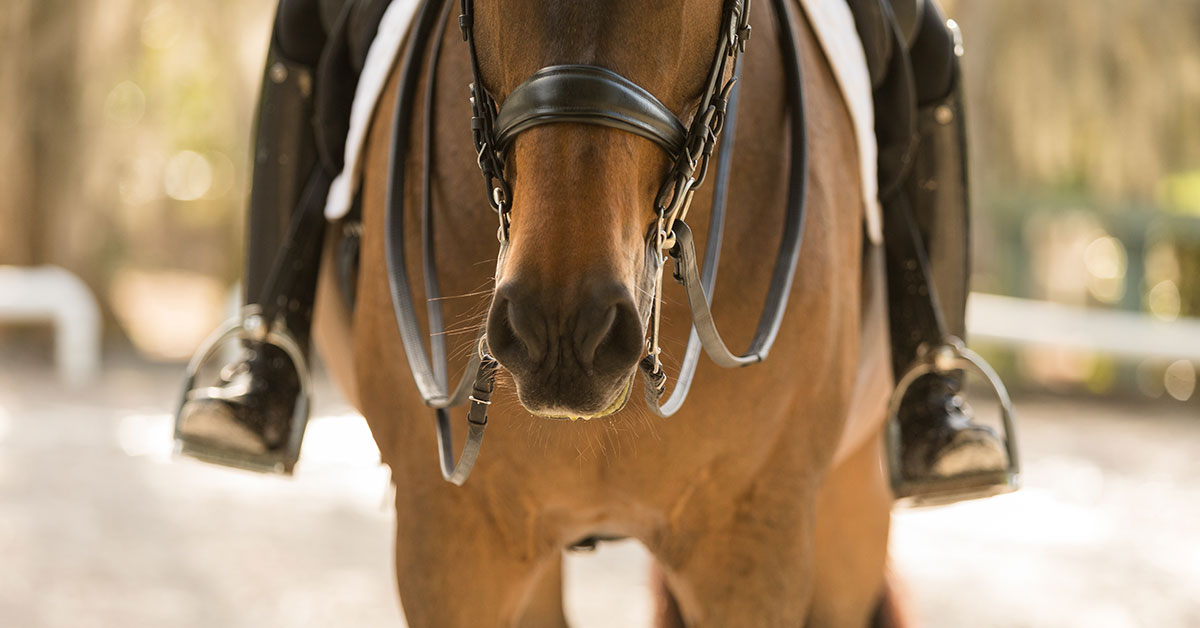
(571, 352)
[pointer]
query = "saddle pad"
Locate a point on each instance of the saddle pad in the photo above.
(382, 55)
(831, 20)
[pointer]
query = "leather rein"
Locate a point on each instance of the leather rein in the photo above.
(594, 95)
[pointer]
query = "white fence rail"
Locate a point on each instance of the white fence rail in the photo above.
(1024, 322)
(49, 294)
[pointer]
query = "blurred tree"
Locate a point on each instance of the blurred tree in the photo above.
(16, 146)
(39, 154)
(1097, 99)
(126, 124)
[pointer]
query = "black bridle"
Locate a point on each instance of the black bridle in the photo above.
(592, 95)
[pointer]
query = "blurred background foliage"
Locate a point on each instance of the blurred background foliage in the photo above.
(125, 154)
(1085, 164)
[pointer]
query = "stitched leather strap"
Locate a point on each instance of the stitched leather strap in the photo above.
(588, 94)
(708, 276)
(429, 373)
(699, 287)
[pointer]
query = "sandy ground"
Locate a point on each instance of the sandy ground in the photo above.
(99, 527)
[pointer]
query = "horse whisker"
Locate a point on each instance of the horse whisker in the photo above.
(461, 296)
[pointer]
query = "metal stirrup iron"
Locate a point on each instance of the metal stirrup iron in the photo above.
(946, 358)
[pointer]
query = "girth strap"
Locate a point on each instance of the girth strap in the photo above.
(588, 94)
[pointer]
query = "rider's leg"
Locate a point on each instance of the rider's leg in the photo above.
(246, 418)
(939, 439)
(284, 148)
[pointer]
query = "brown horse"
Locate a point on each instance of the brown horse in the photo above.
(764, 500)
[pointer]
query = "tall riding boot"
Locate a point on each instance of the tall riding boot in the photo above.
(245, 401)
(943, 455)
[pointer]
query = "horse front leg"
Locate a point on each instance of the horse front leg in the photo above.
(454, 569)
(753, 570)
(543, 606)
(851, 538)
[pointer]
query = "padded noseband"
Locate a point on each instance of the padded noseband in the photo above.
(588, 94)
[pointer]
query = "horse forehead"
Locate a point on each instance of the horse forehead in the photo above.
(647, 42)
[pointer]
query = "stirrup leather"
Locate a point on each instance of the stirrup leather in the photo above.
(949, 356)
(248, 326)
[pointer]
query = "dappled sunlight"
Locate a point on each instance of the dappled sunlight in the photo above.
(146, 436)
(167, 313)
(339, 455)
(1104, 515)
(5, 424)
(188, 176)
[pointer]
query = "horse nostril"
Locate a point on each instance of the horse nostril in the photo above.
(612, 339)
(603, 335)
(591, 335)
(515, 334)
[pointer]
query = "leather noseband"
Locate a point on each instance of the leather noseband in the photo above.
(588, 94)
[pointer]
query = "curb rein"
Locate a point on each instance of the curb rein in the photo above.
(591, 95)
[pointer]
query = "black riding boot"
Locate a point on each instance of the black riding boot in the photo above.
(943, 455)
(245, 403)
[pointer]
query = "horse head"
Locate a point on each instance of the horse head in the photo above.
(574, 289)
